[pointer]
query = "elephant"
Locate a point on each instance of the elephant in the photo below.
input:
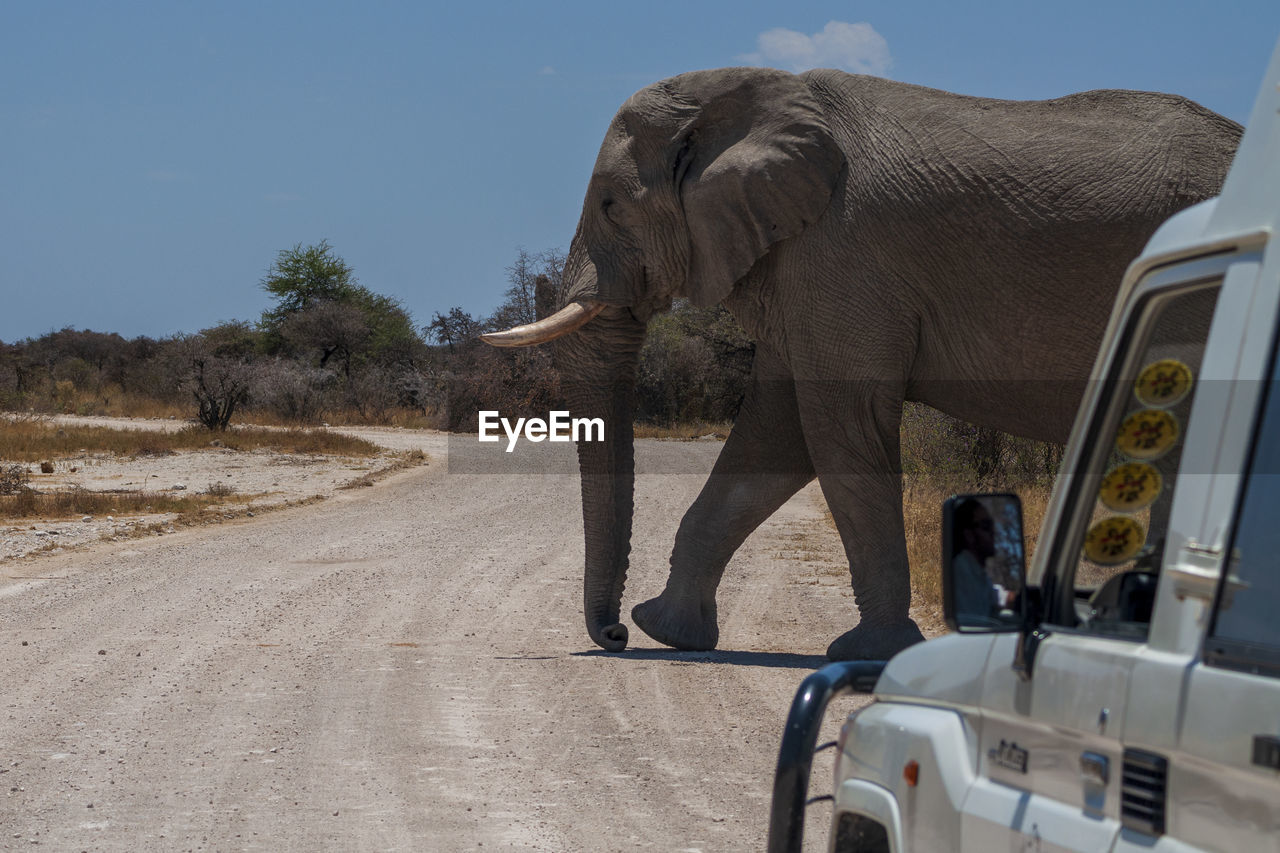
(880, 242)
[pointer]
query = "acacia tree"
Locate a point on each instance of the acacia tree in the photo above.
(302, 277)
(322, 309)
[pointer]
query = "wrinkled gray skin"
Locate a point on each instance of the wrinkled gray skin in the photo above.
(880, 242)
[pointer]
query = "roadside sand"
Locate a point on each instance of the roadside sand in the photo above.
(255, 480)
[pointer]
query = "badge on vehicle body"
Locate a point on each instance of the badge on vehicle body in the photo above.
(1147, 434)
(1166, 382)
(1008, 755)
(1130, 487)
(1114, 540)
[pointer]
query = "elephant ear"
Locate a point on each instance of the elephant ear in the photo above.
(758, 165)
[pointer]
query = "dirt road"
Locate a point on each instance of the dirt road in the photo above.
(404, 668)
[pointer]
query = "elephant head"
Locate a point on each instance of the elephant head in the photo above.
(697, 177)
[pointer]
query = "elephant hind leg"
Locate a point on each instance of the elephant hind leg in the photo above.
(762, 464)
(867, 509)
(853, 431)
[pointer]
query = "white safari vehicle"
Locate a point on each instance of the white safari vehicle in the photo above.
(1124, 694)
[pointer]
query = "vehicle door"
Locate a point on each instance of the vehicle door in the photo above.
(1214, 785)
(1050, 749)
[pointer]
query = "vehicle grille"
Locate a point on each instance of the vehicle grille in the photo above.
(1143, 784)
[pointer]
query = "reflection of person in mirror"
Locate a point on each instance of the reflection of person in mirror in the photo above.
(973, 543)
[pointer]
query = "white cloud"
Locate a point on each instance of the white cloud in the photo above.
(547, 71)
(851, 47)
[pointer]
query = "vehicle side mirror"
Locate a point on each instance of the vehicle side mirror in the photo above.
(983, 563)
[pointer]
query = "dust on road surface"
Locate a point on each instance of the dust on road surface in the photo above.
(405, 668)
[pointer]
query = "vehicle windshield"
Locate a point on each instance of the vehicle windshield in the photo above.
(1122, 510)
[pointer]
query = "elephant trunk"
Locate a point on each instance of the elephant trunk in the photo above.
(596, 344)
(597, 367)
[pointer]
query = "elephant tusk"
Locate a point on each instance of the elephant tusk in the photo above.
(568, 319)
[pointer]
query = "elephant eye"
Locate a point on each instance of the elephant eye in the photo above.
(610, 210)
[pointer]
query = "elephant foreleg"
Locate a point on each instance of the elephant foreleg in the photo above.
(762, 464)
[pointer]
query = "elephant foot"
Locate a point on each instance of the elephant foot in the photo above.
(874, 641)
(688, 627)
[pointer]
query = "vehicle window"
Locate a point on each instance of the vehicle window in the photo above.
(1246, 632)
(1127, 492)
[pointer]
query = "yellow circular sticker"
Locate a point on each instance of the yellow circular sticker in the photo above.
(1163, 383)
(1147, 434)
(1130, 487)
(1114, 540)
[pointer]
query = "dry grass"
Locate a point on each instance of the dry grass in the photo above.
(684, 432)
(69, 503)
(408, 459)
(110, 401)
(28, 440)
(403, 418)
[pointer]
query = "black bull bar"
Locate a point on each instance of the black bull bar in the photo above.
(799, 739)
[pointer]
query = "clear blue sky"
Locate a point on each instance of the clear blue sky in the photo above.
(154, 157)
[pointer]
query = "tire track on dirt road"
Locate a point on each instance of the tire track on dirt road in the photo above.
(400, 668)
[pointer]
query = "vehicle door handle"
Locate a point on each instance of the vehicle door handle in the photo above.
(1266, 751)
(1095, 768)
